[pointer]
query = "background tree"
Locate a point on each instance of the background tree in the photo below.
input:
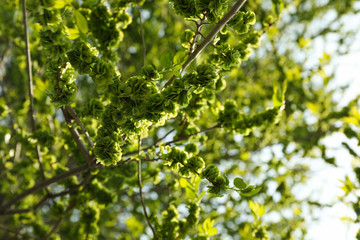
(129, 118)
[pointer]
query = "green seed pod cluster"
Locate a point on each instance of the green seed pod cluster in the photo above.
(89, 218)
(150, 73)
(213, 9)
(186, 37)
(141, 89)
(220, 184)
(104, 27)
(57, 209)
(169, 228)
(81, 56)
(68, 183)
(205, 77)
(178, 159)
(185, 8)
(211, 172)
(45, 138)
(125, 3)
(124, 18)
(53, 39)
(103, 73)
(195, 164)
(178, 93)
(192, 148)
(260, 233)
(194, 212)
(94, 108)
(226, 57)
(231, 119)
(242, 21)
(100, 193)
(107, 150)
(176, 156)
(64, 91)
(229, 115)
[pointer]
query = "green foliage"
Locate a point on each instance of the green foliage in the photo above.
(231, 123)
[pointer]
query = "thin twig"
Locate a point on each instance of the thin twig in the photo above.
(140, 191)
(78, 121)
(142, 38)
(193, 134)
(81, 146)
(31, 89)
(235, 8)
(160, 139)
(175, 140)
(28, 67)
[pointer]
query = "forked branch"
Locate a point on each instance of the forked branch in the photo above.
(209, 38)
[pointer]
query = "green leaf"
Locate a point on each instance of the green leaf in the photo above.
(208, 227)
(59, 4)
(81, 22)
(250, 193)
(176, 71)
(183, 183)
(190, 193)
(258, 210)
(166, 60)
(239, 183)
(180, 57)
(73, 33)
(212, 231)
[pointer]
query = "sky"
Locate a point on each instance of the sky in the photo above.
(330, 226)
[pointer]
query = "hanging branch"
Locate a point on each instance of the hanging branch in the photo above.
(78, 121)
(140, 191)
(142, 38)
(209, 37)
(31, 89)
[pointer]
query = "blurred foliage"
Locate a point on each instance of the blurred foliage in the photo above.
(224, 142)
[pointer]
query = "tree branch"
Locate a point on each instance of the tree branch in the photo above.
(176, 140)
(89, 159)
(46, 197)
(31, 89)
(78, 121)
(141, 193)
(82, 168)
(235, 8)
(18, 235)
(142, 38)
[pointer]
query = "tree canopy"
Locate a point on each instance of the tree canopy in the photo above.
(181, 119)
